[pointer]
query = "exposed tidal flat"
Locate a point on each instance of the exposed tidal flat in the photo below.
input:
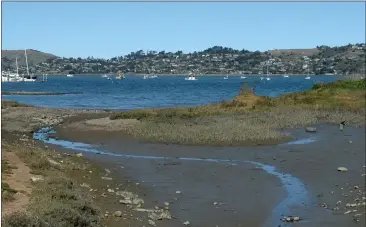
(201, 165)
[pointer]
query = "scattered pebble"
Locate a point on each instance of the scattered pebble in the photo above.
(160, 215)
(125, 201)
(186, 223)
(35, 179)
(85, 185)
(117, 214)
(53, 162)
(310, 129)
(342, 169)
(79, 155)
(106, 178)
(290, 219)
(178, 192)
(151, 222)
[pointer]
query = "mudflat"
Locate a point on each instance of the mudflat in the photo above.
(221, 186)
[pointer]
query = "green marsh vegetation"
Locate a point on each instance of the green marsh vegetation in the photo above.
(251, 119)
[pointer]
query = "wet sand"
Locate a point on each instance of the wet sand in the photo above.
(249, 194)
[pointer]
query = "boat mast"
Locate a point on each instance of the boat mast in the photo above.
(26, 61)
(16, 63)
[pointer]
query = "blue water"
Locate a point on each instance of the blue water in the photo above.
(136, 93)
(302, 141)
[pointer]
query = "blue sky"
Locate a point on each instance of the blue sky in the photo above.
(108, 29)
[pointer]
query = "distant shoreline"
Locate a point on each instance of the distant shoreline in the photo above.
(37, 93)
(142, 74)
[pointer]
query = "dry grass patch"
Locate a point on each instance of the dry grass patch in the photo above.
(57, 200)
(7, 193)
(6, 104)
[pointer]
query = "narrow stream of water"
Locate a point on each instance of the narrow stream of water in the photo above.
(297, 194)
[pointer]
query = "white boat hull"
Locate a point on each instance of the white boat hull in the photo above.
(30, 80)
(16, 78)
(149, 77)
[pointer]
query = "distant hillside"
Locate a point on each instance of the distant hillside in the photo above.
(34, 58)
(306, 52)
(340, 60)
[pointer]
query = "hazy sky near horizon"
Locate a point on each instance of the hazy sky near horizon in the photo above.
(108, 29)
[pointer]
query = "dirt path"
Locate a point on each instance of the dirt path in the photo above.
(18, 180)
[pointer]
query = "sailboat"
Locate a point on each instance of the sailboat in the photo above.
(149, 76)
(190, 77)
(28, 78)
(11, 77)
(267, 78)
(226, 77)
(307, 77)
(120, 76)
(261, 73)
(243, 77)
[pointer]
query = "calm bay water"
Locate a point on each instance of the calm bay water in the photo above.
(164, 91)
